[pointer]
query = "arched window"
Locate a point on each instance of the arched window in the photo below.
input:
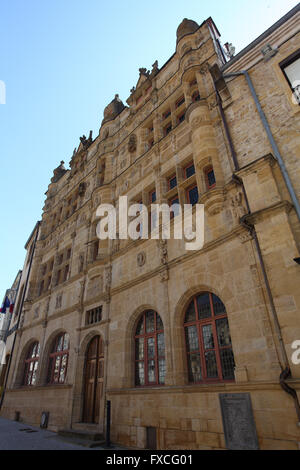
(208, 342)
(31, 364)
(150, 366)
(58, 360)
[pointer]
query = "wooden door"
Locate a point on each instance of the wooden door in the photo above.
(94, 367)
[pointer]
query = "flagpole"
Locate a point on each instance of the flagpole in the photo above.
(19, 315)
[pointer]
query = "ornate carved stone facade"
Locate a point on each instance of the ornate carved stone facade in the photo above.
(184, 134)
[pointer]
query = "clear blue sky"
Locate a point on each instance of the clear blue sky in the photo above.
(62, 62)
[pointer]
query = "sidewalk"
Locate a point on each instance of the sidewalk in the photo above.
(19, 436)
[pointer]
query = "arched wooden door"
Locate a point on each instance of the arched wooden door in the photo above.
(93, 389)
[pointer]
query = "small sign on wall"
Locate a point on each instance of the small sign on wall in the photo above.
(238, 421)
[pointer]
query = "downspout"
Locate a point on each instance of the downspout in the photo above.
(284, 364)
(19, 315)
(271, 138)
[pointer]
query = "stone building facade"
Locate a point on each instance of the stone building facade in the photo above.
(182, 343)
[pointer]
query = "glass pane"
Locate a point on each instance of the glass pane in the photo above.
(211, 178)
(159, 323)
(66, 342)
(193, 196)
(194, 366)
(27, 376)
(140, 327)
(151, 371)
(161, 344)
(227, 361)
(60, 343)
(190, 171)
(139, 348)
(31, 366)
(151, 347)
(34, 350)
(219, 307)
(33, 378)
(191, 335)
(56, 369)
(224, 338)
(63, 368)
(173, 182)
(150, 321)
(208, 338)
(139, 374)
(211, 364)
(190, 313)
(161, 370)
(203, 306)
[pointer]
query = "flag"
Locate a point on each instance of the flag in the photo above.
(5, 305)
(11, 308)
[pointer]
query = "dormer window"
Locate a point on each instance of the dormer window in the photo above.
(189, 170)
(172, 182)
(210, 178)
(291, 70)
(166, 114)
(179, 102)
(195, 96)
(167, 129)
(181, 118)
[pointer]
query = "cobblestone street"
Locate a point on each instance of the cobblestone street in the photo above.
(19, 436)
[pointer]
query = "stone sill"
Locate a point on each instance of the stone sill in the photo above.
(39, 387)
(224, 387)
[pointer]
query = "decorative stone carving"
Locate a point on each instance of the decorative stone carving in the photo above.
(164, 275)
(81, 189)
(132, 143)
(58, 302)
(141, 259)
(108, 278)
(95, 287)
(163, 251)
(58, 173)
(80, 262)
(204, 69)
(86, 142)
(237, 208)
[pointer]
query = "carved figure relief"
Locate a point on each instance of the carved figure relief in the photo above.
(132, 143)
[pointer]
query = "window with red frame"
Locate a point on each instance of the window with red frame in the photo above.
(150, 364)
(166, 114)
(208, 342)
(167, 129)
(181, 118)
(58, 359)
(175, 202)
(195, 96)
(192, 195)
(189, 170)
(179, 102)
(152, 196)
(210, 178)
(172, 182)
(31, 364)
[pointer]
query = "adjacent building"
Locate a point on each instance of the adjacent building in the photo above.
(193, 349)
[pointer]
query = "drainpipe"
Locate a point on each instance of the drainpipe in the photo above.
(284, 364)
(271, 138)
(19, 315)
